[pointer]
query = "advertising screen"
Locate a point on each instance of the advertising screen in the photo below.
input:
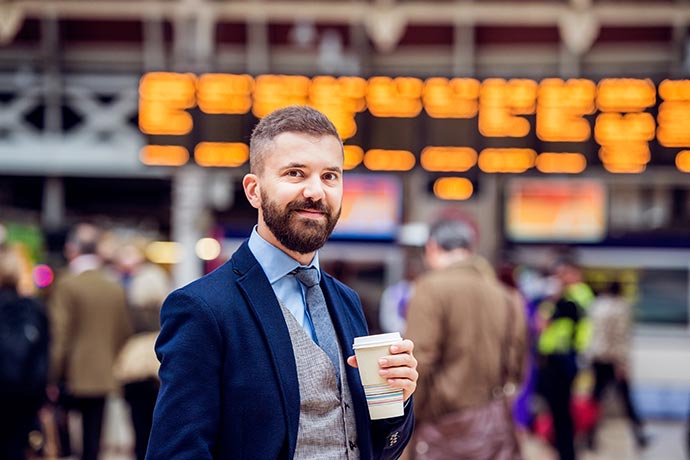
(372, 205)
(541, 210)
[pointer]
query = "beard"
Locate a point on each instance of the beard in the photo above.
(295, 233)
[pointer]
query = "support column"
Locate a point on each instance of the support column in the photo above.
(53, 203)
(569, 63)
(183, 45)
(204, 40)
(360, 49)
(680, 46)
(187, 217)
(490, 220)
(52, 82)
(464, 53)
(579, 29)
(464, 46)
(154, 45)
(257, 51)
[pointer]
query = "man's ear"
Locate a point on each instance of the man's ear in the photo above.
(250, 183)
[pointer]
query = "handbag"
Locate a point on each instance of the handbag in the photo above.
(137, 360)
(475, 433)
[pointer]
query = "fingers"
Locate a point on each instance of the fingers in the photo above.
(404, 378)
(406, 346)
(400, 368)
(400, 372)
(401, 355)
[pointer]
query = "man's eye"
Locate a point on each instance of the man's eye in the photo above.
(330, 176)
(294, 173)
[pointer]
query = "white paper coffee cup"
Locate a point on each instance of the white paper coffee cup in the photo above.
(383, 400)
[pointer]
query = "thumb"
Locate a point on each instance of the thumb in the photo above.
(352, 361)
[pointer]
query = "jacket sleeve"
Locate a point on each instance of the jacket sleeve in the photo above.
(391, 436)
(60, 319)
(424, 323)
(124, 326)
(187, 414)
(517, 352)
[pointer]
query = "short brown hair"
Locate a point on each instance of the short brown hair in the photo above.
(295, 118)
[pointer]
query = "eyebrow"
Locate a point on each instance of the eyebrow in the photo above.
(336, 169)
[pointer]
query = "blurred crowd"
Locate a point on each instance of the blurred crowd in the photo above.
(504, 351)
(83, 338)
(562, 346)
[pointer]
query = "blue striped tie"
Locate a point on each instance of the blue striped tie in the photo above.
(323, 326)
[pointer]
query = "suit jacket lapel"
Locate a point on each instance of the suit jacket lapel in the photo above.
(269, 317)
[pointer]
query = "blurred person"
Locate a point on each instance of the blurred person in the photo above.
(470, 342)
(108, 247)
(564, 333)
(90, 323)
(128, 261)
(609, 351)
(136, 367)
(148, 287)
(396, 297)
(573, 286)
(253, 354)
(24, 339)
(522, 407)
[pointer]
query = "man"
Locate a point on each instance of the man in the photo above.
(470, 342)
(90, 323)
(565, 332)
(241, 374)
(23, 359)
(609, 352)
(557, 368)
(574, 288)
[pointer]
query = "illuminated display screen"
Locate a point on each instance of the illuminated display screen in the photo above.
(555, 210)
(438, 124)
(372, 207)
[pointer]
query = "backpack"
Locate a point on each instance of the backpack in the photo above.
(23, 346)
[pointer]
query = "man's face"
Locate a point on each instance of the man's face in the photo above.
(299, 191)
(295, 232)
(567, 274)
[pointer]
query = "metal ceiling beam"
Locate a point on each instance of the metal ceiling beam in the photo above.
(418, 12)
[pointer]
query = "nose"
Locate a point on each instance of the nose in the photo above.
(313, 189)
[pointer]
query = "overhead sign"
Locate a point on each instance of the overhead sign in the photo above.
(511, 126)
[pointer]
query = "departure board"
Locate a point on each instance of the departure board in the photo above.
(442, 125)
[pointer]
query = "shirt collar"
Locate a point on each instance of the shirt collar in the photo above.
(84, 262)
(275, 263)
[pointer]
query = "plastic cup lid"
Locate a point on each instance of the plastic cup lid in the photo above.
(376, 340)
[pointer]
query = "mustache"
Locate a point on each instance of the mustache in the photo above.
(309, 204)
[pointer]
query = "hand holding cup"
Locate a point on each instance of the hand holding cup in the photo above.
(388, 371)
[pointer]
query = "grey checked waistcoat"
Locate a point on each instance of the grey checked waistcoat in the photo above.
(327, 427)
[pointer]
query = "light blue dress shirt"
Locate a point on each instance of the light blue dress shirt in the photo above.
(278, 267)
(290, 292)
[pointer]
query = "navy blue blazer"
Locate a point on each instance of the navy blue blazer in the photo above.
(229, 386)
